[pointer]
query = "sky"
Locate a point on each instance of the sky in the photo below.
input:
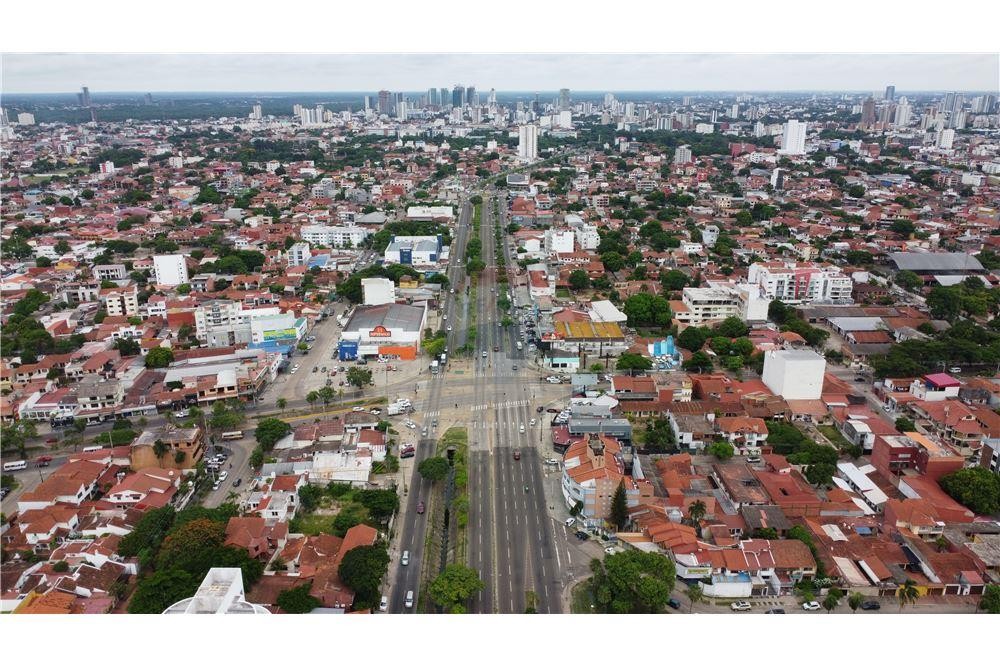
(66, 72)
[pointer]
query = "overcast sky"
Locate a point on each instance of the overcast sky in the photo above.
(60, 73)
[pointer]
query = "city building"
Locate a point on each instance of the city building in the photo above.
(797, 283)
(794, 374)
(388, 330)
(334, 237)
(220, 592)
(170, 270)
(527, 142)
(793, 141)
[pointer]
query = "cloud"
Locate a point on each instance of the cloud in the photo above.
(66, 72)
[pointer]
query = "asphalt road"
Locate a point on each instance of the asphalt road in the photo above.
(511, 542)
(413, 526)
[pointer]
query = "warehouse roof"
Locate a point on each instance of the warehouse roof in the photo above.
(935, 261)
(389, 315)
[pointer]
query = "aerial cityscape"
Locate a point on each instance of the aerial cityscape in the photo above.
(464, 349)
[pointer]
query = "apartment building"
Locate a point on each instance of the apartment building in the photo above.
(120, 301)
(334, 237)
(795, 283)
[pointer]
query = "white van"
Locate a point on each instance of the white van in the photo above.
(570, 521)
(15, 465)
(409, 599)
(405, 560)
(384, 604)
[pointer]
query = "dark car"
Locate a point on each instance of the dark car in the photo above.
(237, 482)
(540, 408)
(4, 491)
(420, 507)
(553, 411)
(496, 348)
(517, 454)
(870, 605)
(582, 536)
(673, 603)
(776, 610)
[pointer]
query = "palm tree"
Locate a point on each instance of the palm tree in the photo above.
(907, 593)
(695, 594)
(942, 543)
(854, 601)
(282, 404)
(696, 511)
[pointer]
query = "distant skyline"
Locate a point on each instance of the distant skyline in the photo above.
(281, 73)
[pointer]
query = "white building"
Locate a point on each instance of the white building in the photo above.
(795, 283)
(682, 155)
(299, 254)
(794, 140)
(559, 240)
(795, 375)
(280, 327)
(945, 139)
(527, 142)
(120, 301)
(25, 119)
(221, 592)
(378, 291)
(334, 237)
(169, 270)
(430, 213)
(413, 250)
(707, 304)
(587, 237)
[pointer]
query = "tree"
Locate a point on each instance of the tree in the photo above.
(619, 507)
(30, 302)
(455, 585)
(312, 397)
(855, 600)
(721, 449)
(579, 280)
(909, 280)
(991, 599)
(695, 594)
(697, 511)
(904, 228)
(976, 488)
(187, 546)
(127, 347)
(674, 280)
(298, 600)
(380, 503)
(159, 357)
(905, 425)
(632, 582)
(692, 338)
(281, 404)
(856, 191)
(778, 312)
(358, 377)
(831, 600)
(908, 593)
(434, 468)
(732, 327)
(820, 473)
(309, 497)
(945, 303)
(161, 589)
(160, 448)
(646, 309)
(361, 570)
(699, 361)
(613, 261)
(631, 361)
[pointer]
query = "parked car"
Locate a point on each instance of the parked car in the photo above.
(582, 536)
(775, 610)
(181, 414)
(357, 408)
(223, 475)
(740, 605)
(383, 605)
(812, 605)
(954, 369)
(420, 507)
(871, 605)
(674, 603)
(376, 411)
(540, 409)
(552, 410)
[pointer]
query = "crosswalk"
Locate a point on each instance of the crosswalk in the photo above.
(501, 404)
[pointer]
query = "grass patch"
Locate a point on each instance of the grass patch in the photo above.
(581, 599)
(312, 524)
(562, 293)
(834, 436)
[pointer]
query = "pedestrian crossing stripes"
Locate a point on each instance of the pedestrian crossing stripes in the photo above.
(501, 404)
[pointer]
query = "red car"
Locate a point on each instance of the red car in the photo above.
(44, 461)
(420, 507)
(517, 454)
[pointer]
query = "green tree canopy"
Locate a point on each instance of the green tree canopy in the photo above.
(269, 431)
(434, 468)
(159, 357)
(455, 586)
(632, 582)
(976, 488)
(297, 600)
(619, 507)
(361, 570)
(632, 361)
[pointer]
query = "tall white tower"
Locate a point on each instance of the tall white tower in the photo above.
(527, 145)
(794, 140)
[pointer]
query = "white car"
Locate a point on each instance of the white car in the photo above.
(553, 380)
(954, 369)
(740, 605)
(522, 428)
(449, 328)
(532, 422)
(181, 414)
(812, 605)
(357, 408)
(223, 475)
(410, 424)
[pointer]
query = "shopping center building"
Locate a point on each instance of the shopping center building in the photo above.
(390, 330)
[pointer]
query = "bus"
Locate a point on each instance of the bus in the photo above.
(15, 465)
(232, 435)
(92, 448)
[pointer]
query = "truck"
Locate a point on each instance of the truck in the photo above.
(434, 367)
(398, 408)
(444, 358)
(520, 346)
